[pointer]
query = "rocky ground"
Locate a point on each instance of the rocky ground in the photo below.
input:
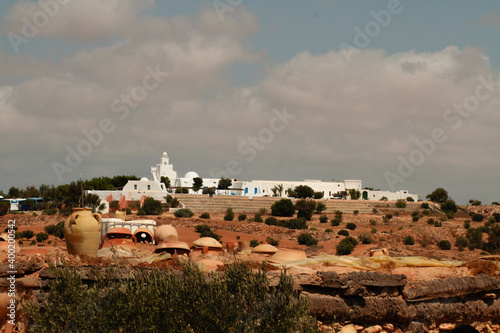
(384, 234)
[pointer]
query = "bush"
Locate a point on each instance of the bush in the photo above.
(206, 231)
(461, 242)
(329, 230)
(164, 301)
(254, 243)
(283, 207)
(42, 236)
(400, 203)
(66, 211)
(410, 199)
(242, 217)
(318, 195)
(271, 221)
(415, 218)
(343, 232)
(258, 217)
(365, 239)
(305, 208)
(229, 214)
(466, 224)
(56, 230)
(320, 207)
(183, 212)
(477, 217)
(449, 206)
(205, 216)
(374, 210)
(153, 207)
(474, 239)
(373, 222)
(388, 216)
(335, 222)
(26, 234)
(444, 245)
(355, 212)
(323, 219)
(437, 224)
(408, 240)
(430, 221)
(346, 246)
(424, 205)
(351, 226)
(272, 241)
(4, 208)
(49, 211)
(307, 239)
(303, 192)
(450, 215)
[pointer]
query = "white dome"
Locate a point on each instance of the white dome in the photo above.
(191, 175)
(144, 179)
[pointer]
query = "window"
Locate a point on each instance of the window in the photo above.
(135, 187)
(149, 187)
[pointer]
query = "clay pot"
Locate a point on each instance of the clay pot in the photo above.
(284, 255)
(166, 233)
(231, 247)
(120, 215)
(265, 249)
(119, 236)
(144, 235)
(244, 245)
(173, 247)
(82, 232)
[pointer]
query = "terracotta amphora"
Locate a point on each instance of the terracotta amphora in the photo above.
(82, 232)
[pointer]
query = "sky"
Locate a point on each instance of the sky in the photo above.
(400, 94)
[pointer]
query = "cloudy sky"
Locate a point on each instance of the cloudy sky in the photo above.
(400, 94)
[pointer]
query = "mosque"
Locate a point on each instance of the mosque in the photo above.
(140, 189)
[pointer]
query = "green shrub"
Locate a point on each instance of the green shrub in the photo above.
(183, 212)
(56, 230)
(153, 207)
(323, 219)
(307, 239)
(373, 231)
(400, 203)
(365, 239)
(254, 243)
(329, 230)
(271, 221)
(388, 216)
(408, 240)
(320, 207)
(461, 242)
(351, 226)
(474, 238)
(205, 215)
(49, 211)
(426, 212)
(449, 206)
(355, 212)
(42, 236)
(373, 222)
(272, 241)
(318, 195)
(164, 301)
(444, 245)
(26, 234)
(343, 232)
(424, 205)
(4, 208)
(437, 224)
(415, 218)
(305, 208)
(66, 211)
(466, 224)
(335, 222)
(229, 214)
(449, 215)
(374, 210)
(242, 217)
(346, 246)
(430, 221)
(33, 242)
(477, 217)
(258, 217)
(206, 231)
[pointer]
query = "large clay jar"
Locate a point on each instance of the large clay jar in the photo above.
(82, 232)
(166, 233)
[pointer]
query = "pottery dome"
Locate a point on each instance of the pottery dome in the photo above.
(207, 241)
(166, 233)
(265, 249)
(284, 255)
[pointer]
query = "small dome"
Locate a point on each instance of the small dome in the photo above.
(144, 179)
(207, 241)
(191, 175)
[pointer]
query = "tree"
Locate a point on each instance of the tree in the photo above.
(224, 183)
(305, 208)
(197, 184)
(304, 192)
(165, 181)
(4, 207)
(354, 194)
(449, 206)
(92, 199)
(439, 195)
(474, 202)
(277, 190)
(14, 192)
(283, 207)
(30, 192)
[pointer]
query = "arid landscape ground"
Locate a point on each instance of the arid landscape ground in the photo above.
(383, 233)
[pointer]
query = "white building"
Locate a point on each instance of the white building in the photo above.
(138, 189)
